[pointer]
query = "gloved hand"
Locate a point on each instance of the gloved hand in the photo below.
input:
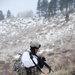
(42, 58)
(41, 61)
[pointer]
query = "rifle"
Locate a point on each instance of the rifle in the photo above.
(41, 63)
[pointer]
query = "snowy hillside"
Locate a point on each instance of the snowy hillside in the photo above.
(55, 34)
(15, 34)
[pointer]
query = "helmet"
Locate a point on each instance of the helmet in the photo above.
(35, 44)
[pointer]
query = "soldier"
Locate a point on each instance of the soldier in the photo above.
(29, 63)
(30, 60)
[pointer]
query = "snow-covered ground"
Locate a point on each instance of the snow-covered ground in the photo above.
(16, 34)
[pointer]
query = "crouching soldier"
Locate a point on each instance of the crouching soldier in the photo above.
(29, 63)
(30, 59)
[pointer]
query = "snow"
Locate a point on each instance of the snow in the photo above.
(16, 33)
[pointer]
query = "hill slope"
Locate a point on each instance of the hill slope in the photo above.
(56, 36)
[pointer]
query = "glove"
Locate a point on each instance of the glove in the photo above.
(41, 61)
(42, 58)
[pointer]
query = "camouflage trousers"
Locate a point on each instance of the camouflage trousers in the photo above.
(29, 71)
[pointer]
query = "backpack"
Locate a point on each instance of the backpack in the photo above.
(18, 66)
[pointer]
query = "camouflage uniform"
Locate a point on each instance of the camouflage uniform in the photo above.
(30, 54)
(32, 71)
(29, 71)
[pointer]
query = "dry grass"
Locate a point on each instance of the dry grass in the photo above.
(62, 62)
